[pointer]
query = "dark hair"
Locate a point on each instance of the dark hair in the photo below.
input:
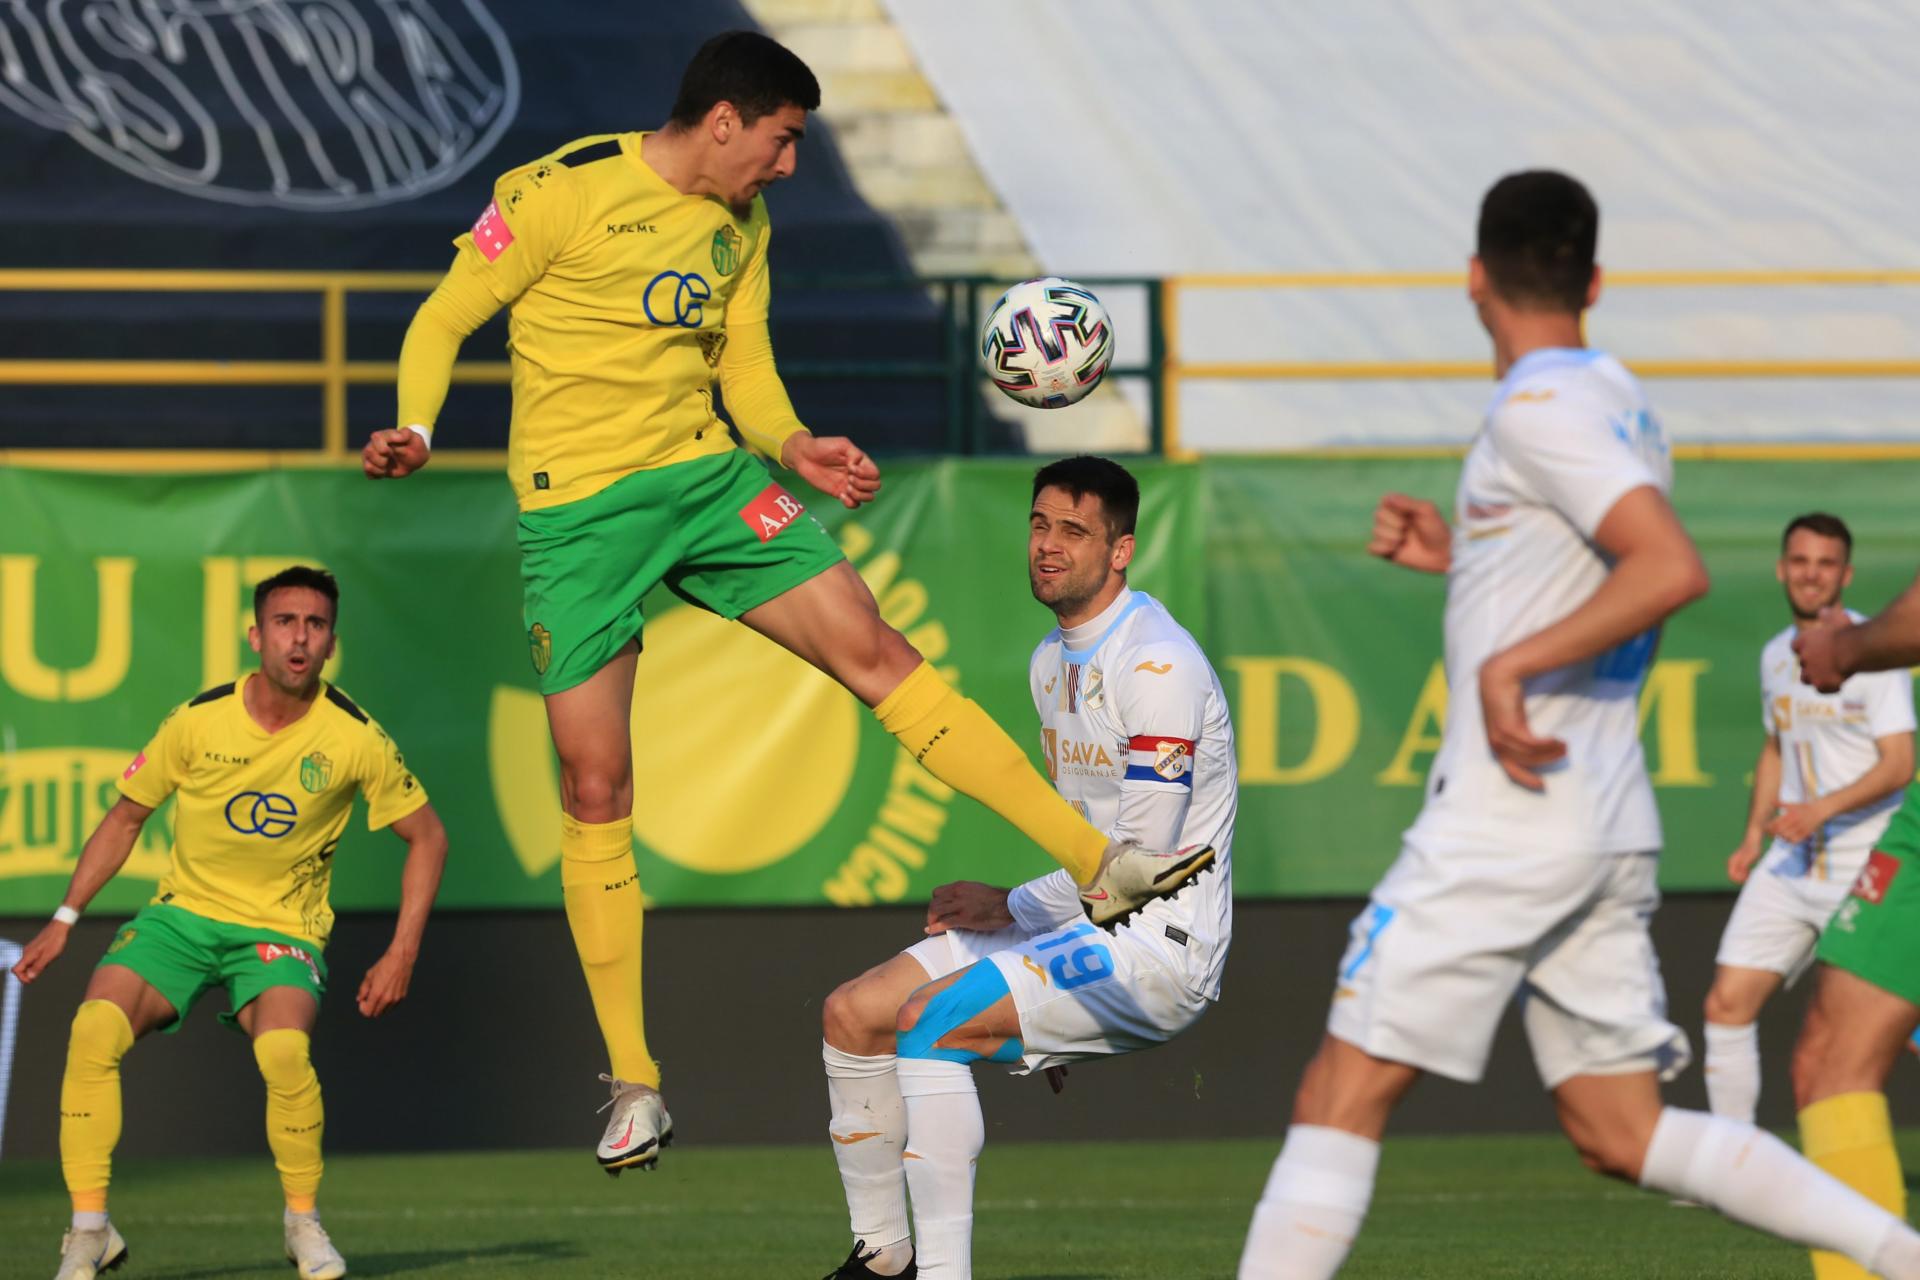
(1536, 240)
(1821, 523)
(756, 73)
(298, 575)
(1113, 484)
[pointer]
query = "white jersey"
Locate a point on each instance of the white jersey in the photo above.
(1827, 741)
(1569, 433)
(1136, 733)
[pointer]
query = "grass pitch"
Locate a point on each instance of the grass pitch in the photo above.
(1478, 1207)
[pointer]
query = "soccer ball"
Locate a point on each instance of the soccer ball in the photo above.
(1047, 342)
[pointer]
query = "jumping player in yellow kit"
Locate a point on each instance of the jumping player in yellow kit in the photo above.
(263, 772)
(635, 265)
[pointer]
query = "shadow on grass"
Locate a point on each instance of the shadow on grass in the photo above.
(526, 1252)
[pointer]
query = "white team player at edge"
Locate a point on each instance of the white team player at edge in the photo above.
(1136, 733)
(1531, 868)
(1827, 783)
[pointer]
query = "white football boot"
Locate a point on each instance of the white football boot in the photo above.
(1130, 877)
(310, 1251)
(638, 1129)
(85, 1254)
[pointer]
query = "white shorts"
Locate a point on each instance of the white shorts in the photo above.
(1778, 918)
(1081, 992)
(1448, 940)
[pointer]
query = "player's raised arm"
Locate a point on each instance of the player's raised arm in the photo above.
(1656, 571)
(105, 853)
(534, 214)
(386, 982)
(1838, 648)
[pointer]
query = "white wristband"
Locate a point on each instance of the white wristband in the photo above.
(425, 435)
(65, 914)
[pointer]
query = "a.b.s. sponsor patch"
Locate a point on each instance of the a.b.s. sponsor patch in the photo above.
(1876, 877)
(772, 510)
(271, 951)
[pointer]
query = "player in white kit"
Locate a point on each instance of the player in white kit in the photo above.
(1531, 868)
(1827, 782)
(1136, 734)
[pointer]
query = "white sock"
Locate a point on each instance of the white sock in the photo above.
(869, 1132)
(1733, 1070)
(1759, 1181)
(89, 1221)
(1315, 1201)
(945, 1134)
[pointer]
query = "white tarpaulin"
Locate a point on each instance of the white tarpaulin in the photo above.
(1165, 136)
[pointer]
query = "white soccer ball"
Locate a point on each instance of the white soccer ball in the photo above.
(1047, 342)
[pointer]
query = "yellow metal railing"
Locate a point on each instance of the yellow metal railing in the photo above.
(1177, 369)
(333, 373)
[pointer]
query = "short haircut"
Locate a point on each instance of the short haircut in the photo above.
(298, 575)
(1827, 526)
(1537, 235)
(1113, 484)
(756, 73)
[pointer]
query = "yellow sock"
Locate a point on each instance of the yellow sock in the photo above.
(295, 1118)
(90, 1101)
(1850, 1136)
(962, 746)
(601, 886)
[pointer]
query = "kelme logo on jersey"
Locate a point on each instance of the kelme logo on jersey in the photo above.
(316, 771)
(540, 641)
(677, 300)
(261, 813)
(726, 250)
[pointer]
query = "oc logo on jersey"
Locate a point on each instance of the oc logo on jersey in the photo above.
(677, 299)
(261, 813)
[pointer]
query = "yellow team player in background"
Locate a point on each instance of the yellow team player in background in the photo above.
(265, 770)
(635, 265)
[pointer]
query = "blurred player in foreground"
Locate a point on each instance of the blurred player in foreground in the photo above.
(1867, 999)
(635, 265)
(1827, 783)
(1137, 736)
(265, 770)
(1531, 869)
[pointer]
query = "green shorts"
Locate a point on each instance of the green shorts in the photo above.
(719, 531)
(1876, 932)
(182, 955)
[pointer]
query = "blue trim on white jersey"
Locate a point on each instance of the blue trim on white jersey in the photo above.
(1147, 773)
(1079, 657)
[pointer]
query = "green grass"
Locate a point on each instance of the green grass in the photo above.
(1479, 1207)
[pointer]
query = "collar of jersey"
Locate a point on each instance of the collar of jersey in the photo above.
(1541, 360)
(1079, 656)
(253, 726)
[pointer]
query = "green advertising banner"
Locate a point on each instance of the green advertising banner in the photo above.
(760, 782)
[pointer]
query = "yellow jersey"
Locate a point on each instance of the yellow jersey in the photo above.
(259, 814)
(621, 290)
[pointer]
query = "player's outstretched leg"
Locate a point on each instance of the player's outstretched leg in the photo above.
(89, 1131)
(296, 1119)
(868, 1125)
(831, 621)
(1853, 1034)
(1621, 1129)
